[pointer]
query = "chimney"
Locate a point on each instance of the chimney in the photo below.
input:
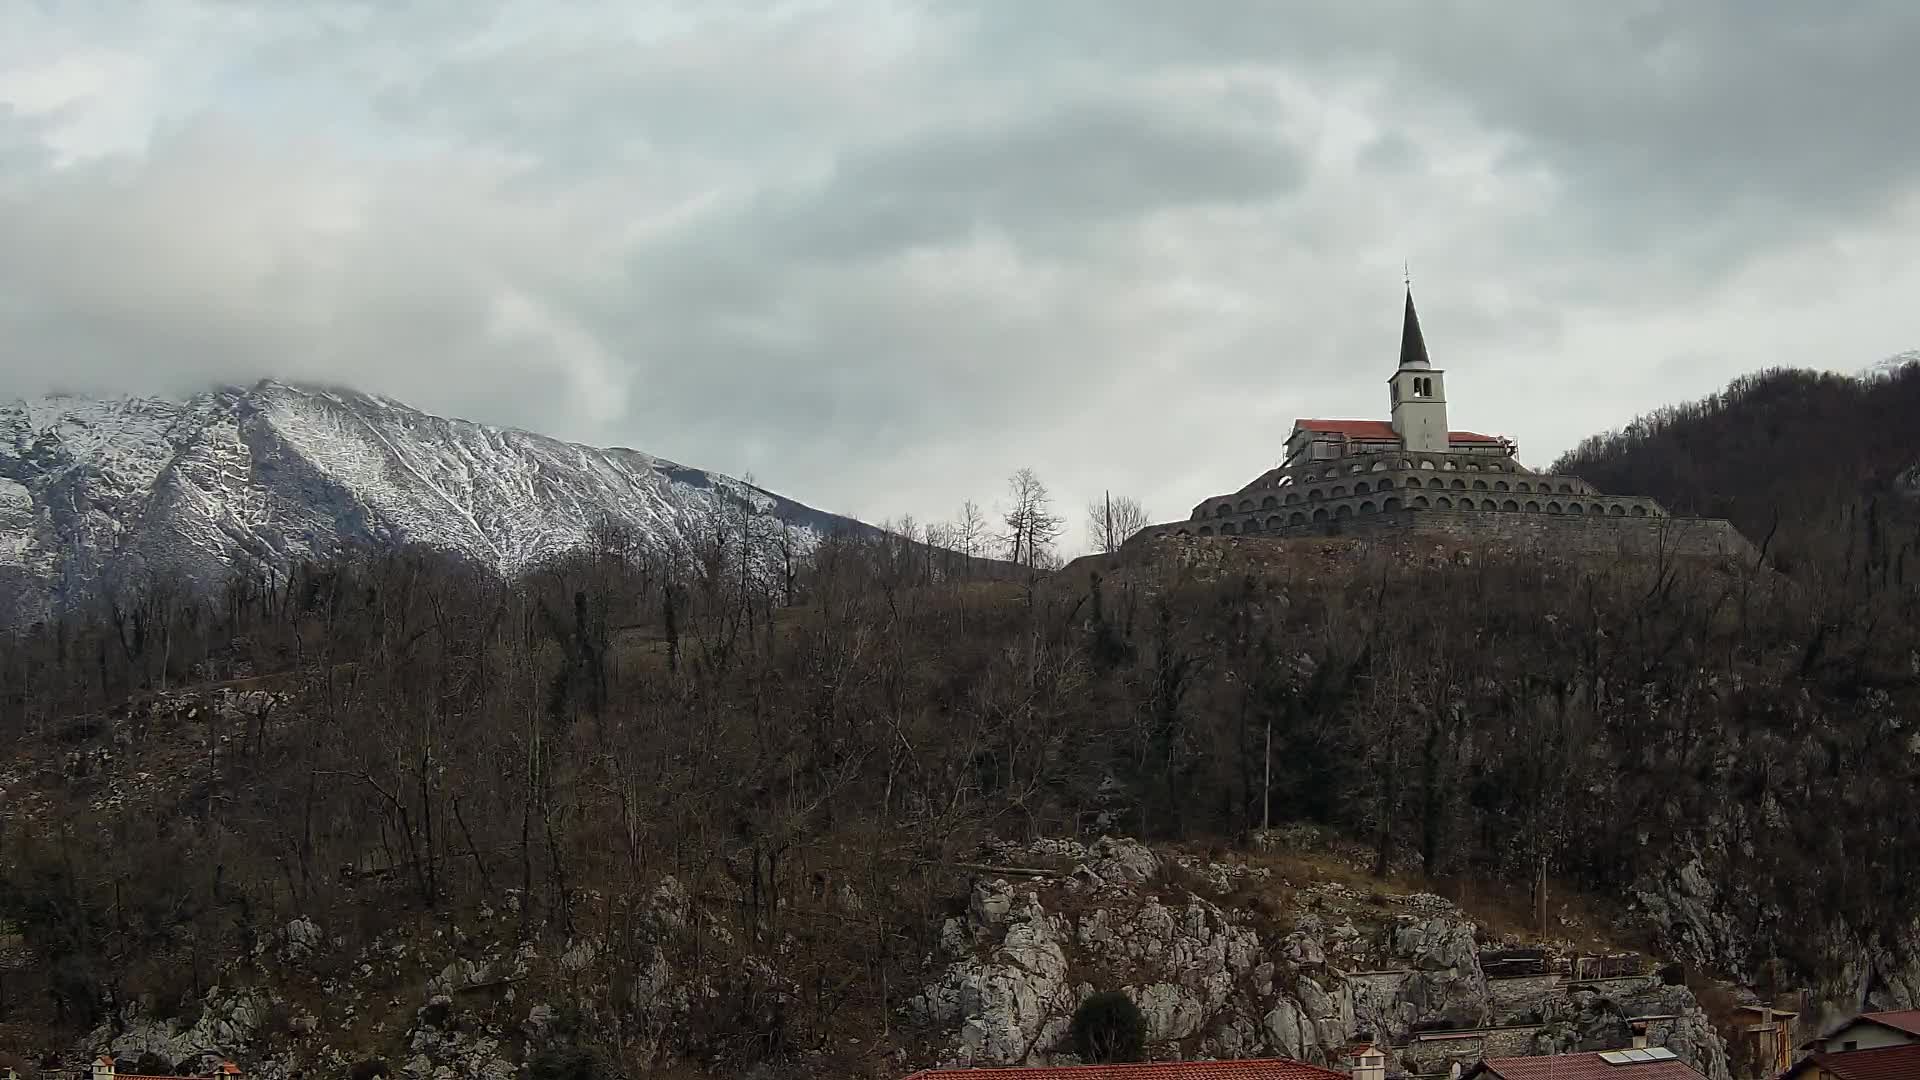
(1366, 1060)
(103, 1068)
(1639, 1035)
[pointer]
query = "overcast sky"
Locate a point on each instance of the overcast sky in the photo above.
(878, 255)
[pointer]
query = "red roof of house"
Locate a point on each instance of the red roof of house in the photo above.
(1265, 1069)
(1886, 1063)
(1580, 1067)
(1380, 431)
(1907, 1020)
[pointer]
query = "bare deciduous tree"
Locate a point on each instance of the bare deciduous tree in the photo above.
(1032, 526)
(1112, 519)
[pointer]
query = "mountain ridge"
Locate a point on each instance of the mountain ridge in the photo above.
(97, 489)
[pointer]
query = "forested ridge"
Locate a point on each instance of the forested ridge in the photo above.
(404, 741)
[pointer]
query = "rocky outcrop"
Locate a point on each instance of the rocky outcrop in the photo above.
(1217, 982)
(1707, 912)
(1222, 959)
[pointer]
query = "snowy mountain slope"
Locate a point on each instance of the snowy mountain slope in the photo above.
(93, 491)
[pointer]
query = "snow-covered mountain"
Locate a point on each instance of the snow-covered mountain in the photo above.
(97, 490)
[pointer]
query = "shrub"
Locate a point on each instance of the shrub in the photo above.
(565, 1063)
(371, 1069)
(1108, 1028)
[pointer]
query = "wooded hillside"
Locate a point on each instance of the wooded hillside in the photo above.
(415, 740)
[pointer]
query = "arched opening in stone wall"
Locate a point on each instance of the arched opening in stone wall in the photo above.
(1380, 466)
(1344, 510)
(1320, 514)
(1253, 526)
(1339, 491)
(1296, 518)
(1553, 508)
(1617, 510)
(1488, 504)
(1426, 463)
(1639, 511)
(1386, 482)
(1522, 485)
(1356, 468)
(1206, 530)
(1443, 503)
(1566, 489)
(1509, 505)
(1360, 488)
(1274, 523)
(1449, 465)
(1594, 509)
(1229, 529)
(1575, 508)
(1368, 507)
(1459, 484)
(1420, 502)
(1481, 485)
(1292, 497)
(1225, 509)
(1465, 504)
(1269, 503)
(1245, 505)
(1533, 507)
(1501, 485)
(1392, 504)
(1315, 494)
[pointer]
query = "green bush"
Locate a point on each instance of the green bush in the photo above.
(1108, 1028)
(371, 1069)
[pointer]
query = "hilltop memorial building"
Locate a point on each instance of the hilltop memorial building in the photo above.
(1414, 473)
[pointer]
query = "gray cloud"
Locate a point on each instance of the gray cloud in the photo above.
(879, 255)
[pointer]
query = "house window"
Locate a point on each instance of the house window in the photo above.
(1850, 1044)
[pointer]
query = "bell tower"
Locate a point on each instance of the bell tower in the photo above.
(1419, 391)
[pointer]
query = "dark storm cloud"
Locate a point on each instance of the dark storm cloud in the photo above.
(1705, 129)
(881, 254)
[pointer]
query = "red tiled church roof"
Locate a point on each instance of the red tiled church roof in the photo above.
(1885, 1063)
(1580, 1067)
(1265, 1069)
(1380, 431)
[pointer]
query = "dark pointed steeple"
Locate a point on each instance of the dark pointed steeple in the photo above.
(1413, 346)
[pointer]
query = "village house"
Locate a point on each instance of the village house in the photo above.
(1871, 1031)
(1882, 1063)
(1644, 1063)
(1263, 1069)
(1871, 1046)
(103, 1069)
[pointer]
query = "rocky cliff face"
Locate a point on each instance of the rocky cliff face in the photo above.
(1221, 981)
(93, 491)
(1200, 946)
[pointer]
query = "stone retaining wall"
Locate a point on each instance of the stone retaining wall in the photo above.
(1582, 535)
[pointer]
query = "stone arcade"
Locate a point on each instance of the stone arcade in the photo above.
(1413, 473)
